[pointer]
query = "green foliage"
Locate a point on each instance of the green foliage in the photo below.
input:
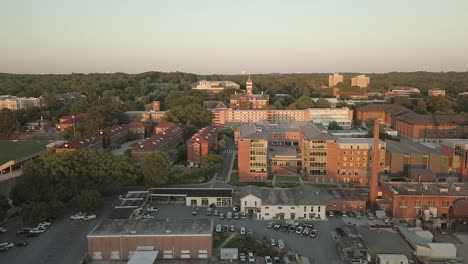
(440, 104)
(210, 161)
(249, 244)
(156, 169)
(222, 144)
(88, 200)
(184, 98)
(190, 115)
(333, 125)
(304, 102)
(36, 212)
(4, 206)
(421, 106)
(462, 103)
(322, 103)
(8, 122)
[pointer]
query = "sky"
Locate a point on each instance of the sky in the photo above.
(232, 37)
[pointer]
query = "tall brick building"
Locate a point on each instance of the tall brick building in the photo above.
(249, 100)
(386, 113)
(201, 143)
(457, 152)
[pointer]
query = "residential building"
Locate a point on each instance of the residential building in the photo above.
(431, 128)
(401, 91)
(69, 98)
(249, 100)
(114, 136)
(334, 79)
(402, 157)
(360, 81)
(425, 201)
(79, 144)
(201, 143)
(119, 239)
(344, 199)
(252, 154)
(457, 152)
(140, 130)
(214, 87)
(218, 108)
(386, 113)
(200, 197)
(19, 103)
(145, 115)
(303, 203)
(166, 141)
(66, 122)
(436, 92)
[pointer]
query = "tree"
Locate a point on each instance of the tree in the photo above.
(192, 114)
(210, 161)
(440, 104)
(36, 212)
(462, 103)
(222, 144)
(421, 106)
(88, 200)
(304, 102)
(333, 125)
(156, 169)
(8, 122)
(322, 103)
(4, 206)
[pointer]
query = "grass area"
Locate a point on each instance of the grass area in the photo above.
(287, 179)
(218, 239)
(235, 181)
(191, 175)
(10, 150)
(246, 243)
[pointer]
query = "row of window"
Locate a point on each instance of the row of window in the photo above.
(418, 203)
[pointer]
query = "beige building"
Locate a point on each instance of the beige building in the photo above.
(19, 103)
(214, 87)
(361, 81)
(334, 79)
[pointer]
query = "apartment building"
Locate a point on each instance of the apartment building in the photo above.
(114, 136)
(146, 115)
(19, 103)
(457, 152)
(386, 113)
(427, 201)
(214, 87)
(66, 122)
(165, 141)
(334, 79)
(436, 92)
(79, 144)
(141, 130)
(360, 81)
(201, 143)
(253, 153)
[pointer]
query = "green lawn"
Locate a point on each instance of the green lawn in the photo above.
(10, 150)
(287, 179)
(235, 181)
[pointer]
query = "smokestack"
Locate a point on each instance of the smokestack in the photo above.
(374, 180)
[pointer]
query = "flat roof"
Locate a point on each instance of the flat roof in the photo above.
(383, 240)
(285, 152)
(300, 195)
(429, 188)
(193, 192)
(152, 227)
(408, 148)
(343, 194)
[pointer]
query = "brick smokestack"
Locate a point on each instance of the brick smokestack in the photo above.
(374, 180)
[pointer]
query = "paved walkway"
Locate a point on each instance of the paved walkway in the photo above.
(226, 241)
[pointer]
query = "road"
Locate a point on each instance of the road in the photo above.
(321, 249)
(224, 173)
(63, 242)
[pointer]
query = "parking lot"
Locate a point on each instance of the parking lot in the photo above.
(321, 249)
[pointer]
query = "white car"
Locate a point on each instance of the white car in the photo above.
(273, 242)
(45, 223)
(152, 209)
(299, 229)
(148, 216)
(242, 231)
(89, 217)
(2, 230)
(251, 257)
(6, 245)
(78, 216)
(268, 260)
(37, 230)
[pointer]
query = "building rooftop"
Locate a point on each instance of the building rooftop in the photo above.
(155, 227)
(311, 132)
(382, 240)
(433, 119)
(286, 151)
(81, 143)
(301, 195)
(390, 108)
(193, 192)
(253, 131)
(429, 188)
(207, 134)
(210, 105)
(408, 148)
(343, 194)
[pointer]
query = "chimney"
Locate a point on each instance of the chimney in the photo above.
(374, 180)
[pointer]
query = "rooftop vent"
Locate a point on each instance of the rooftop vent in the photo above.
(443, 189)
(456, 188)
(132, 232)
(411, 189)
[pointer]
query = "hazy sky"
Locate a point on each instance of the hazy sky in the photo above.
(216, 36)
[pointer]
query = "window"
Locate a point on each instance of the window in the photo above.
(267, 214)
(293, 207)
(445, 204)
(417, 204)
(279, 207)
(245, 203)
(203, 254)
(185, 254)
(255, 203)
(267, 207)
(431, 203)
(319, 208)
(305, 209)
(334, 204)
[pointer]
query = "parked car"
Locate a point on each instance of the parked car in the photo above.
(147, 216)
(5, 246)
(268, 260)
(232, 228)
(331, 214)
(280, 243)
(236, 215)
(306, 231)
(215, 213)
(277, 226)
(91, 217)
(251, 257)
(78, 216)
(236, 208)
(358, 215)
(209, 211)
(194, 210)
(243, 215)
(242, 257)
(23, 231)
(38, 230)
(45, 223)
(370, 216)
(276, 260)
(152, 209)
(299, 229)
(21, 244)
(219, 228)
(314, 233)
(273, 242)
(225, 228)
(270, 224)
(221, 216)
(292, 228)
(3, 230)
(229, 215)
(242, 231)
(284, 228)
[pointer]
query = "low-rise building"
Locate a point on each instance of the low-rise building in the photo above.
(344, 200)
(155, 116)
(457, 152)
(114, 136)
(79, 144)
(119, 239)
(140, 130)
(436, 92)
(66, 122)
(199, 145)
(323, 116)
(385, 113)
(214, 87)
(302, 202)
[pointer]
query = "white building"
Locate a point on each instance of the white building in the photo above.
(302, 203)
(215, 86)
(19, 103)
(343, 116)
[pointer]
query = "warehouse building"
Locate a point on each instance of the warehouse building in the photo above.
(119, 239)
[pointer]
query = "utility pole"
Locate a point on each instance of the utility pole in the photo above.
(74, 129)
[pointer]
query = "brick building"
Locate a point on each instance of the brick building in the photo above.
(386, 113)
(334, 79)
(436, 92)
(360, 81)
(79, 144)
(115, 135)
(344, 200)
(141, 130)
(165, 141)
(457, 152)
(201, 143)
(249, 100)
(146, 115)
(218, 108)
(69, 121)
(427, 201)
(119, 239)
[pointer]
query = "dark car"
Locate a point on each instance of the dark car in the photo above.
(23, 231)
(284, 229)
(21, 244)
